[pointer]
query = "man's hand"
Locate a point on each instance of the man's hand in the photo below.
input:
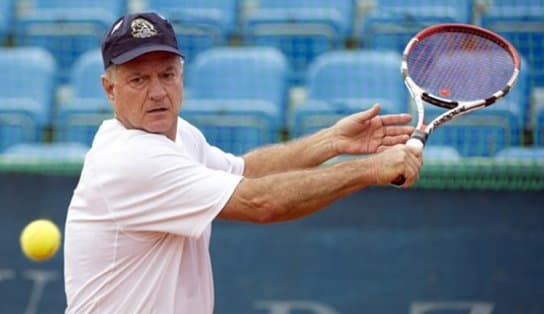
(366, 132)
(399, 160)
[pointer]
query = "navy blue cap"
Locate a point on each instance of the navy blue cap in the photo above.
(136, 34)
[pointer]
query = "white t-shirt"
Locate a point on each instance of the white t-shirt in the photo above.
(138, 226)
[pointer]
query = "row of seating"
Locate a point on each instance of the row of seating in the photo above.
(344, 16)
(301, 29)
(239, 98)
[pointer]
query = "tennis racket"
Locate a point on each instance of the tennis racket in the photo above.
(459, 67)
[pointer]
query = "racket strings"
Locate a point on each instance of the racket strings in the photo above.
(460, 65)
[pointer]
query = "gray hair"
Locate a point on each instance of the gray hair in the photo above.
(112, 68)
(110, 72)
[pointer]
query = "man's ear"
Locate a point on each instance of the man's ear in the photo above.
(107, 85)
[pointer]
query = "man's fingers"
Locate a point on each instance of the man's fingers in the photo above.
(414, 163)
(369, 113)
(394, 140)
(392, 119)
(398, 130)
(418, 152)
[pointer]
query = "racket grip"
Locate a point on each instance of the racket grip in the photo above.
(417, 140)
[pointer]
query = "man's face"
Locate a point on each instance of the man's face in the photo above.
(146, 92)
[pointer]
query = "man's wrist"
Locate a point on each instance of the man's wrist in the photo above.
(328, 143)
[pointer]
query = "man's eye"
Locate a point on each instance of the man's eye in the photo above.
(169, 76)
(137, 80)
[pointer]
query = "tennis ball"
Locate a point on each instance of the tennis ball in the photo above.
(40, 240)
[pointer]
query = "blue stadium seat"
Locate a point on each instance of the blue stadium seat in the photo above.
(337, 14)
(78, 118)
(521, 153)
(302, 30)
(250, 73)
(480, 133)
(235, 126)
(513, 10)
(65, 28)
(313, 115)
(237, 89)
(7, 13)
(344, 82)
(45, 152)
(390, 24)
(521, 22)
(220, 14)
(199, 24)
(26, 99)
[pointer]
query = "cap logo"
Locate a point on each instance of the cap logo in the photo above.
(142, 28)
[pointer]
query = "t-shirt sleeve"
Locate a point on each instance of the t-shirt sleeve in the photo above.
(211, 156)
(161, 189)
(217, 159)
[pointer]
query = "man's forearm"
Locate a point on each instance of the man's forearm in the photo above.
(298, 193)
(301, 153)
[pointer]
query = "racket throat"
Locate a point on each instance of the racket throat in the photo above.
(418, 135)
(440, 102)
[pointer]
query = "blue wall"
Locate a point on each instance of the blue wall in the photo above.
(378, 251)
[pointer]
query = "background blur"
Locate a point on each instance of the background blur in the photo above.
(469, 238)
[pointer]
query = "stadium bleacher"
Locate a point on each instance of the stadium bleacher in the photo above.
(26, 100)
(389, 24)
(65, 28)
(344, 82)
(302, 34)
(78, 117)
(302, 30)
(238, 96)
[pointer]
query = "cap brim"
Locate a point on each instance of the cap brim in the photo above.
(133, 54)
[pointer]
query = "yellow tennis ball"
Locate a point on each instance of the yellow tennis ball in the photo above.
(40, 240)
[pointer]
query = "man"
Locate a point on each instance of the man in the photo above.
(138, 225)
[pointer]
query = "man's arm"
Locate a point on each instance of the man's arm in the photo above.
(301, 153)
(362, 133)
(293, 194)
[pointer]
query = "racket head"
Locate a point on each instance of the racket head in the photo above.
(458, 63)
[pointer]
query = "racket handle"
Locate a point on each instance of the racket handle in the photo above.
(417, 140)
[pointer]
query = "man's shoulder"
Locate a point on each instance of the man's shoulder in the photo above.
(185, 127)
(114, 144)
(187, 132)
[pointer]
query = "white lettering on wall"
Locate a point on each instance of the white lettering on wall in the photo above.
(471, 307)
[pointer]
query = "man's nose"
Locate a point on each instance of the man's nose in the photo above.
(156, 89)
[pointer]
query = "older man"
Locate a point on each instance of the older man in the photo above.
(138, 226)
